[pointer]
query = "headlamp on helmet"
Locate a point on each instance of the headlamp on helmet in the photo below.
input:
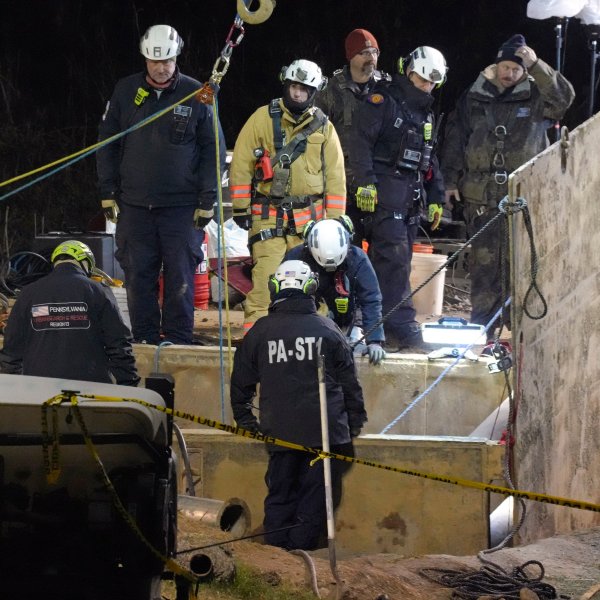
(427, 62)
(305, 72)
(75, 250)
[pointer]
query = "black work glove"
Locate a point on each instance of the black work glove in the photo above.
(243, 221)
(202, 217)
(355, 431)
(249, 425)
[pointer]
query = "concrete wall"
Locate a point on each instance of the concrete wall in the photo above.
(455, 407)
(381, 511)
(558, 446)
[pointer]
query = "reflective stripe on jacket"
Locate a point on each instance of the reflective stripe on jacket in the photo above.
(318, 171)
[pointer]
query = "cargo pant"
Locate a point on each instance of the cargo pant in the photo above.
(148, 239)
(485, 264)
(390, 251)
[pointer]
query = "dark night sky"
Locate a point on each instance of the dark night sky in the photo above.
(59, 59)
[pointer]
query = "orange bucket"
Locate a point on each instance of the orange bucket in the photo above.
(422, 248)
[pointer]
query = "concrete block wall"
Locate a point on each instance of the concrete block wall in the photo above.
(381, 511)
(558, 446)
(456, 406)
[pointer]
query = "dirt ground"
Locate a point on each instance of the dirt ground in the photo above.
(571, 563)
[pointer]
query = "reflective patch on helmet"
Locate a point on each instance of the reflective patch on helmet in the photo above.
(106, 111)
(375, 99)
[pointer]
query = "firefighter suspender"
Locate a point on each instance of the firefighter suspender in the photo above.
(281, 162)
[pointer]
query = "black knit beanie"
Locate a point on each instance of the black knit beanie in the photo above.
(508, 49)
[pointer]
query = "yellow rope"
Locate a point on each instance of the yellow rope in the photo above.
(95, 146)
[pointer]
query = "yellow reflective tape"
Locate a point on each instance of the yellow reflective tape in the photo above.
(260, 437)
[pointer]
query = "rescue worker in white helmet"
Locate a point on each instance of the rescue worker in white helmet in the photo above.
(347, 282)
(159, 185)
(69, 326)
(397, 173)
(287, 169)
(280, 355)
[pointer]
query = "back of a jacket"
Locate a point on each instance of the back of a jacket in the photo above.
(66, 325)
(280, 352)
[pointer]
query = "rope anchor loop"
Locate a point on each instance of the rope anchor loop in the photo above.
(255, 17)
(510, 208)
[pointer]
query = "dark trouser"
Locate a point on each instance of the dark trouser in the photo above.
(485, 264)
(390, 252)
(146, 240)
(297, 496)
(357, 216)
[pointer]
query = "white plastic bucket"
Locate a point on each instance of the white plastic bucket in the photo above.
(429, 300)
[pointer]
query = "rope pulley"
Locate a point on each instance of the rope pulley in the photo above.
(255, 17)
(207, 93)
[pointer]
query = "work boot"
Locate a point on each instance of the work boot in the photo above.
(410, 339)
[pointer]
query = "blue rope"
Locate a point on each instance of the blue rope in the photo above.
(219, 266)
(110, 140)
(157, 354)
(441, 375)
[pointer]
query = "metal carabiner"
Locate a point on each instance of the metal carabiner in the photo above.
(260, 15)
(500, 131)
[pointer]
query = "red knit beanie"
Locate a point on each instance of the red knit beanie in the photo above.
(357, 41)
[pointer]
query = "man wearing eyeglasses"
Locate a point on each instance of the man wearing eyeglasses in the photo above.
(348, 87)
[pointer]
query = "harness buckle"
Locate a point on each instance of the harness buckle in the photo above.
(265, 234)
(500, 177)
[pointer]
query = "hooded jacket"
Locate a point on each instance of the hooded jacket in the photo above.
(526, 110)
(280, 353)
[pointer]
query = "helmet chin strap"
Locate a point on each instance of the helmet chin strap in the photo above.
(297, 108)
(162, 86)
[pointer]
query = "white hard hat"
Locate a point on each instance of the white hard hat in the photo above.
(305, 72)
(160, 42)
(294, 275)
(328, 242)
(427, 62)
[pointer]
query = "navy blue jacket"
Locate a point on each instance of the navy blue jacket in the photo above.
(362, 285)
(280, 353)
(170, 161)
(384, 119)
(68, 326)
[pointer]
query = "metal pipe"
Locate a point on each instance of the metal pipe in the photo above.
(593, 46)
(231, 515)
(190, 490)
(327, 475)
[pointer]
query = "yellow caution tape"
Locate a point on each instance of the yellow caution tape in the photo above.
(260, 437)
(169, 563)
